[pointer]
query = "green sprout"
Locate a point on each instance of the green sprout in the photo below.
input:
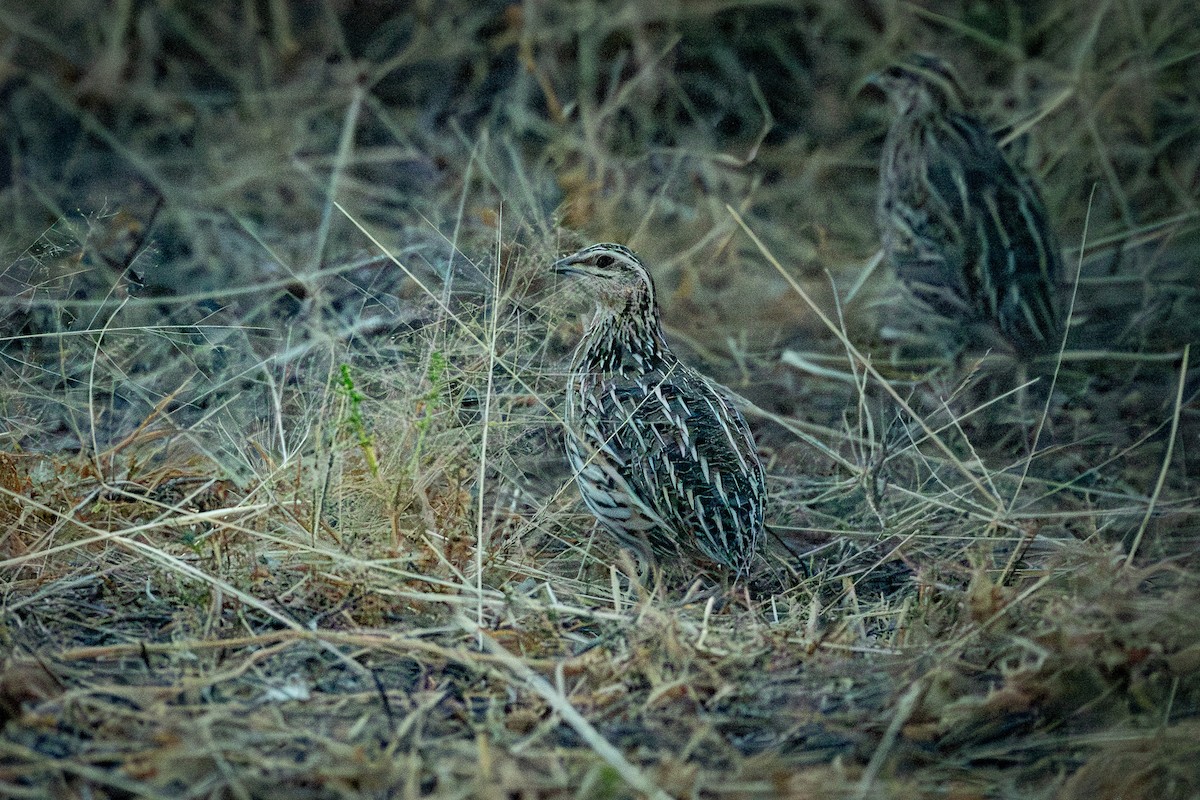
(432, 399)
(354, 419)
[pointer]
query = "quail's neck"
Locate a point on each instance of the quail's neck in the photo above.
(626, 343)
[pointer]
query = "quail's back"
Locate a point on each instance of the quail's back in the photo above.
(965, 230)
(661, 455)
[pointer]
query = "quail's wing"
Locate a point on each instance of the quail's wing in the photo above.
(690, 455)
(1012, 257)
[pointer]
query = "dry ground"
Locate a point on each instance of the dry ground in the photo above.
(283, 507)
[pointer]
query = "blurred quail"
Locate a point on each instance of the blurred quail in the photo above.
(966, 231)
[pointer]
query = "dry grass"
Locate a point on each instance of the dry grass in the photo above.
(284, 506)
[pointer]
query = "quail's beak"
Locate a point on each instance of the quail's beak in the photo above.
(566, 266)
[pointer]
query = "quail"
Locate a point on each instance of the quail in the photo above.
(965, 230)
(662, 457)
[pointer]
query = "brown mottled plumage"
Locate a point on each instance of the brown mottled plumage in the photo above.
(661, 455)
(965, 230)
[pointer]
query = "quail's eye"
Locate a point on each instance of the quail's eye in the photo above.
(605, 261)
